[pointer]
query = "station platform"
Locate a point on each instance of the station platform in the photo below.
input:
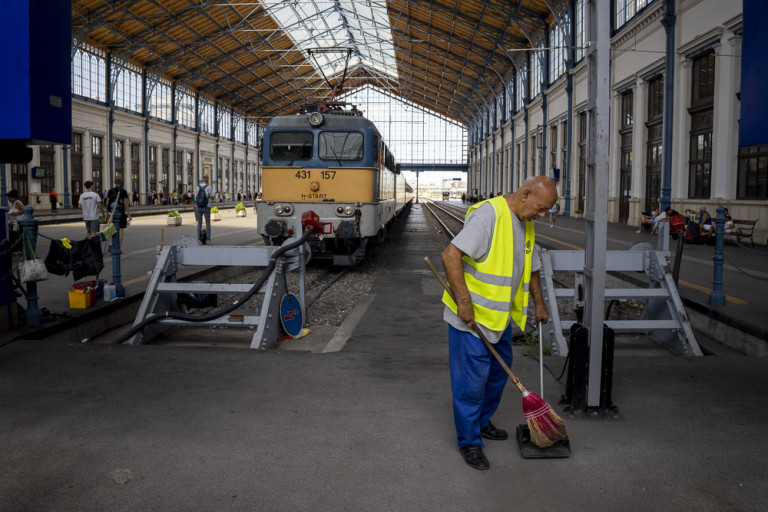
(365, 426)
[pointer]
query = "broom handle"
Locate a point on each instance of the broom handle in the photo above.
(541, 360)
(488, 344)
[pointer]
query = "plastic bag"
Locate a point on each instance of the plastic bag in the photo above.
(31, 269)
(109, 231)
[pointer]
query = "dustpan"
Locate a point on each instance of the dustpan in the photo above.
(560, 449)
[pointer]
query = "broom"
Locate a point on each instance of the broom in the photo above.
(545, 426)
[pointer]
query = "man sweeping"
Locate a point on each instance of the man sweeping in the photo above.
(491, 266)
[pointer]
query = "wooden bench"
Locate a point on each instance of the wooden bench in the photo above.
(744, 229)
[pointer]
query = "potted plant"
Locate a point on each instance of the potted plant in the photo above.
(174, 218)
(215, 215)
(240, 210)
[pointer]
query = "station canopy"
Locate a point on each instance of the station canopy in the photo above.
(270, 57)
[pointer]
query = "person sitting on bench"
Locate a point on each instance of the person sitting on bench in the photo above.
(646, 219)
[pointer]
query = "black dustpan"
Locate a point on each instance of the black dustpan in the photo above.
(559, 449)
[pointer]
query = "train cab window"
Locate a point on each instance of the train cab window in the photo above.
(290, 145)
(340, 146)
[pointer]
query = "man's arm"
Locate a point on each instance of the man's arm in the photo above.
(454, 271)
(542, 313)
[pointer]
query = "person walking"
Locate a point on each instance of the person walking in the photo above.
(53, 197)
(203, 209)
(553, 214)
(90, 204)
(492, 266)
(117, 199)
(15, 213)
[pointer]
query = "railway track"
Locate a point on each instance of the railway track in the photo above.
(450, 217)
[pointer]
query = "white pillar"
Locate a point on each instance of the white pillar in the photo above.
(725, 120)
(682, 136)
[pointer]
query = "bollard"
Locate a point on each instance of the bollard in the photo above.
(717, 297)
(114, 250)
(33, 317)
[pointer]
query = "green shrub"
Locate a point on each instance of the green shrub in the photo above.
(173, 213)
(214, 210)
(239, 207)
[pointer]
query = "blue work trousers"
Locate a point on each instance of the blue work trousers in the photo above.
(477, 382)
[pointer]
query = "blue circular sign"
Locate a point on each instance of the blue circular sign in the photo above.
(291, 315)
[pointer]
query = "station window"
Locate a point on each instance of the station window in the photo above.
(225, 124)
(128, 94)
(290, 145)
(160, 100)
(701, 111)
(753, 172)
(207, 118)
(89, 76)
(578, 35)
(628, 9)
(185, 108)
(557, 50)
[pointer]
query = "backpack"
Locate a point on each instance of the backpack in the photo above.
(112, 197)
(201, 198)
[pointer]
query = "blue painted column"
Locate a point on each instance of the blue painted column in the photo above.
(668, 21)
(717, 297)
(33, 316)
(115, 252)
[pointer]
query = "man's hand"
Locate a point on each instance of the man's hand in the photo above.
(466, 312)
(454, 271)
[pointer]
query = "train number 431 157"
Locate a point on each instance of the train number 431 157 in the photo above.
(305, 174)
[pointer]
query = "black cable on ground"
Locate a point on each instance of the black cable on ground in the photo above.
(217, 314)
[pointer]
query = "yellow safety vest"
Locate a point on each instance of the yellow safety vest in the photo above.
(490, 282)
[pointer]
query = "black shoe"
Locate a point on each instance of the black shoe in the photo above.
(496, 434)
(473, 456)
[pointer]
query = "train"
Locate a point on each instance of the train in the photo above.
(329, 159)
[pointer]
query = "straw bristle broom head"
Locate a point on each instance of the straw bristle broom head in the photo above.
(545, 426)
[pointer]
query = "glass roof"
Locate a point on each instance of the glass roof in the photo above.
(362, 26)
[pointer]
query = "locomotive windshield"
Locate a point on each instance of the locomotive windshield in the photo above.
(340, 146)
(290, 145)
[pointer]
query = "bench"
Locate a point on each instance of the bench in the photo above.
(744, 229)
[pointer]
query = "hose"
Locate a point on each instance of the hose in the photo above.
(217, 314)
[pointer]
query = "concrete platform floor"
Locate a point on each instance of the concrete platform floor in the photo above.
(366, 427)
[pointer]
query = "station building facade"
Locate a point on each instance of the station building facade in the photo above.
(525, 132)
(155, 135)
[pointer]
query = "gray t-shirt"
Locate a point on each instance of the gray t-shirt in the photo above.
(474, 240)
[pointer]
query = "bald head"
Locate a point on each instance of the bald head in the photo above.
(533, 199)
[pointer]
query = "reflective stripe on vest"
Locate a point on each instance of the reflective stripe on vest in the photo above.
(490, 282)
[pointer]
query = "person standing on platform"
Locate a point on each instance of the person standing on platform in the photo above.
(117, 198)
(553, 214)
(203, 196)
(53, 197)
(90, 204)
(491, 267)
(15, 213)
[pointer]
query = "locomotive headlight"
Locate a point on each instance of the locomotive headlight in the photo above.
(283, 209)
(316, 119)
(345, 211)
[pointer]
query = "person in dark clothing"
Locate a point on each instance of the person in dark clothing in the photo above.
(53, 197)
(117, 198)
